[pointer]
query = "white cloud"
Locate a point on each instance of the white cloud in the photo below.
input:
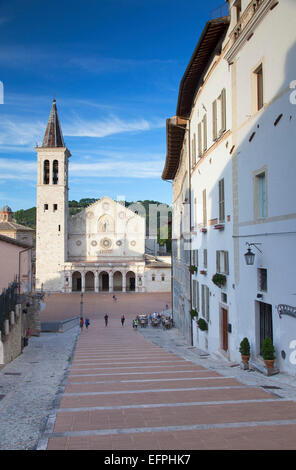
(13, 132)
(25, 170)
(109, 126)
(17, 169)
(19, 133)
(118, 169)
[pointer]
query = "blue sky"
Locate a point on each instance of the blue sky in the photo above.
(114, 67)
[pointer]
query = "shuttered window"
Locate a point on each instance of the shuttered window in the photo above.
(205, 134)
(193, 160)
(214, 107)
(205, 297)
(222, 262)
(219, 115)
(223, 110)
(195, 257)
(221, 201)
(204, 207)
(259, 80)
(205, 258)
(262, 195)
(199, 140)
(194, 293)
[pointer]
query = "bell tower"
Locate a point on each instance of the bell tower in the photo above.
(52, 206)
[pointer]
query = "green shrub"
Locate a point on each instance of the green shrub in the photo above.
(219, 279)
(193, 313)
(267, 349)
(202, 324)
(193, 269)
(245, 348)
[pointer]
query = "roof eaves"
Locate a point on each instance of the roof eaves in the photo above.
(176, 128)
(213, 33)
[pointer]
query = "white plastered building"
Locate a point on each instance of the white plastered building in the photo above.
(235, 127)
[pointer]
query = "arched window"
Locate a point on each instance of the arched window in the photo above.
(46, 172)
(55, 172)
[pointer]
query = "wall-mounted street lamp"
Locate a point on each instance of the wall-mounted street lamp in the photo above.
(250, 256)
(81, 304)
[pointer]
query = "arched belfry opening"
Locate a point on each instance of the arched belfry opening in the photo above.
(46, 172)
(55, 172)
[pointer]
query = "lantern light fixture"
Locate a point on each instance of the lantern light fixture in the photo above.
(249, 255)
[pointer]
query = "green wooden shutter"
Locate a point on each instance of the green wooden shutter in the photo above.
(214, 119)
(199, 140)
(223, 110)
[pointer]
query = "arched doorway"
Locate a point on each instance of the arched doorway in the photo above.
(76, 281)
(104, 281)
(117, 281)
(90, 281)
(130, 281)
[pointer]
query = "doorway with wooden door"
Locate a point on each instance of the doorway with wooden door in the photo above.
(224, 330)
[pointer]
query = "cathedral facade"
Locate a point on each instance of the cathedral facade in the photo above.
(99, 249)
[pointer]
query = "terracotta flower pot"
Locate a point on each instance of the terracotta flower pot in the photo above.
(269, 363)
(245, 358)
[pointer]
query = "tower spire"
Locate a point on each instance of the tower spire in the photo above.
(53, 136)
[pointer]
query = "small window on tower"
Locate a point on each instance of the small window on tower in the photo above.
(55, 207)
(46, 207)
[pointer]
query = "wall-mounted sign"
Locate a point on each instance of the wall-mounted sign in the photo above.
(286, 310)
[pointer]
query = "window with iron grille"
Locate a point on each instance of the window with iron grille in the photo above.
(262, 279)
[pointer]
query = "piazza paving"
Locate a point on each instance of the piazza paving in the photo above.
(125, 393)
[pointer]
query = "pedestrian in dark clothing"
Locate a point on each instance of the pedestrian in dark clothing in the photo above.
(81, 323)
(106, 319)
(87, 322)
(122, 320)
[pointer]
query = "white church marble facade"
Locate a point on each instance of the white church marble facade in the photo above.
(99, 249)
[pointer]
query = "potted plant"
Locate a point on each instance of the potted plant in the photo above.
(192, 269)
(267, 351)
(193, 313)
(244, 349)
(219, 279)
(202, 324)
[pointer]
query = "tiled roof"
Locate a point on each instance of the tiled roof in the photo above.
(13, 226)
(12, 241)
(53, 136)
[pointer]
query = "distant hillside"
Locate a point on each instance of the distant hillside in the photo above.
(26, 217)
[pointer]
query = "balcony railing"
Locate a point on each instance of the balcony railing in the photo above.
(220, 12)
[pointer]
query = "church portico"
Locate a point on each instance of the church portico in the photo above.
(103, 280)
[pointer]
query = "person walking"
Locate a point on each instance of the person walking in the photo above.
(87, 323)
(81, 323)
(122, 320)
(136, 322)
(106, 319)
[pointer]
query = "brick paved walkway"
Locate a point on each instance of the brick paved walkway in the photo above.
(125, 393)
